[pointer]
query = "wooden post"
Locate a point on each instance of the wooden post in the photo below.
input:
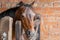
(18, 30)
(10, 29)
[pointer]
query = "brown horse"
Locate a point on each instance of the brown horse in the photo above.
(24, 13)
(26, 16)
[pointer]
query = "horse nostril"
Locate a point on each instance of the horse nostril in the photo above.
(28, 32)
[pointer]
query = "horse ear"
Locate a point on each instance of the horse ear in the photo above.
(32, 3)
(20, 3)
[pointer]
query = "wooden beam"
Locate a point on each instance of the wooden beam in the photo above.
(10, 29)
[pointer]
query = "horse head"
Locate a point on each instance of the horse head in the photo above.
(26, 14)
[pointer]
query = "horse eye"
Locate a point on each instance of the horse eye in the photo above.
(22, 16)
(37, 17)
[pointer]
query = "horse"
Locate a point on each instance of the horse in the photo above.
(24, 13)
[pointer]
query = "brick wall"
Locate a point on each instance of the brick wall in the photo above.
(50, 16)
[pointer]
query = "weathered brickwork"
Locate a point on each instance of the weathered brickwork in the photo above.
(50, 16)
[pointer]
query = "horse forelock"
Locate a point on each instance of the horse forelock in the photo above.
(28, 13)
